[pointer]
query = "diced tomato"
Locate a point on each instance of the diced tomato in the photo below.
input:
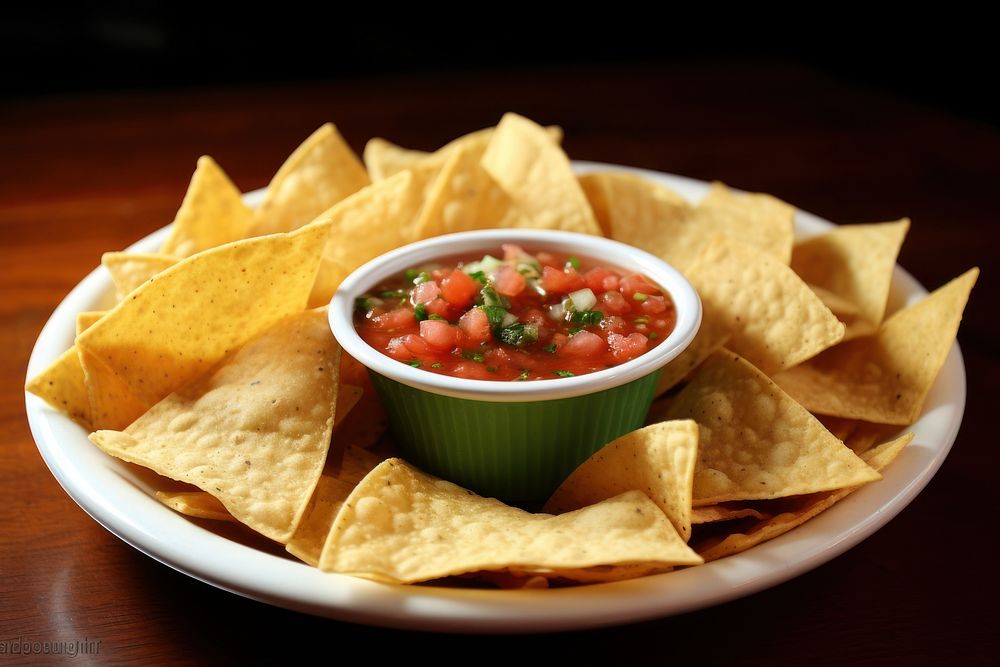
(534, 316)
(584, 344)
(439, 334)
(472, 371)
(654, 305)
(562, 282)
(596, 279)
(400, 318)
(439, 274)
(513, 251)
(406, 347)
(441, 308)
(425, 292)
(459, 289)
(613, 324)
(559, 340)
(636, 283)
(497, 357)
(628, 347)
(615, 303)
(476, 325)
(547, 259)
(508, 281)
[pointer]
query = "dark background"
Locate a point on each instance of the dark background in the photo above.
(103, 46)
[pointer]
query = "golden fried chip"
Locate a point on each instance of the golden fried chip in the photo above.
(712, 335)
(759, 220)
(464, 196)
(130, 269)
(180, 324)
(198, 504)
(853, 263)
(212, 213)
(62, 386)
(87, 319)
(112, 402)
(723, 512)
(331, 492)
(657, 460)
(775, 319)
(321, 172)
(757, 443)
(401, 525)
(254, 433)
(884, 378)
(536, 174)
(796, 511)
(371, 222)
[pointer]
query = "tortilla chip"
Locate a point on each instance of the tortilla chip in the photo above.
(198, 504)
(855, 264)
(321, 172)
(254, 433)
(536, 174)
(62, 386)
(371, 222)
(757, 443)
(464, 196)
(87, 319)
(112, 402)
(402, 525)
(657, 460)
(130, 269)
(180, 324)
(384, 158)
(644, 214)
(796, 511)
(723, 512)
(212, 213)
(885, 378)
(775, 319)
(331, 492)
(759, 220)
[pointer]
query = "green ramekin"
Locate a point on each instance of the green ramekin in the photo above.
(516, 441)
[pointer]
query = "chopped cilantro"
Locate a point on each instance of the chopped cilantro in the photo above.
(641, 320)
(563, 374)
(414, 363)
(433, 316)
(479, 277)
(640, 297)
(411, 275)
(478, 357)
(495, 315)
(519, 335)
(573, 262)
(420, 312)
(491, 369)
(653, 336)
(575, 330)
(436, 364)
(550, 348)
(523, 375)
(588, 316)
(393, 294)
(363, 304)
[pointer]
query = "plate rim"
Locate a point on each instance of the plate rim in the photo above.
(262, 576)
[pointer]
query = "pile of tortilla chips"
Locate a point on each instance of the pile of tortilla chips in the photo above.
(217, 369)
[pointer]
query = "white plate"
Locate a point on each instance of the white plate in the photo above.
(114, 496)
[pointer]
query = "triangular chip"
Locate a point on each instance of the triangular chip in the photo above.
(723, 512)
(87, 319)
(184, 321)
(321, 172)
(884, 378)
(657, 460)
(759, 220)
(254, 433)
(130, 269)
(775, 319)
(62, 386)
(112, 402)
(331, 492)
(536, 174)
(795, 511)
(212, 213)
(712, 336)
(402, 525)
(757, 443)
(198, 504)
(370, 222)
(855, 264)
(464, 196)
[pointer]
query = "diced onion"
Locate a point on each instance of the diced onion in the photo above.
(583, 299)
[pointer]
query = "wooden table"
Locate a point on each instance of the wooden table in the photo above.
(82, 175)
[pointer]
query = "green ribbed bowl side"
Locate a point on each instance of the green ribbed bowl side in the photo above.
(517, 452)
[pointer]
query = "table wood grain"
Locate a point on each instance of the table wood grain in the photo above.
(82, 175)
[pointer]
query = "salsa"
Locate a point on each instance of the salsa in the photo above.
(518, 317)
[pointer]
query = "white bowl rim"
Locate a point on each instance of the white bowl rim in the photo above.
(366, 277)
